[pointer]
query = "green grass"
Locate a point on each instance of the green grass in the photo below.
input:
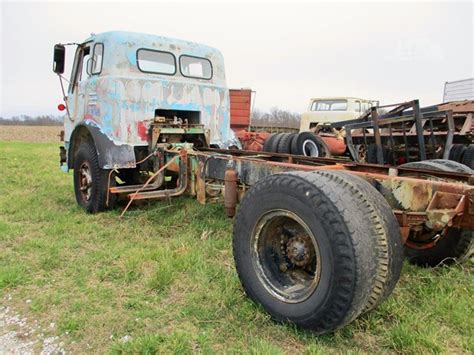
(164, 277)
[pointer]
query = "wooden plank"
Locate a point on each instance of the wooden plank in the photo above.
(239, 106)
(239, 112)
(239, 122)
(234, 92)
(239, 99)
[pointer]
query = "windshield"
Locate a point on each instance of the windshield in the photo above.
(329, 105)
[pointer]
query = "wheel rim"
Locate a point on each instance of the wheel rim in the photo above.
(362, 153)
(310, 149)
(424, 239)
(286, 256)
(85, 181)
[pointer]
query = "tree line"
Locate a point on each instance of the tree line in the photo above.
(25, 120)
(275, 117)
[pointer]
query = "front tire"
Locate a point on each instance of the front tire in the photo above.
(90, 181)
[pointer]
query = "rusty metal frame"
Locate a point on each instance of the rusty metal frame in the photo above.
(415, 200)
(372, 120)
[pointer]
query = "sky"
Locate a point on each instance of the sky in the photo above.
(287, 52)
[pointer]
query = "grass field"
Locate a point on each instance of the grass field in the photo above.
(163, 277)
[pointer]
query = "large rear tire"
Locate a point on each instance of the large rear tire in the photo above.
(90, 181)
(304, 248)
(439, 165)
(387, 234)
(456, 245)
(468, 158)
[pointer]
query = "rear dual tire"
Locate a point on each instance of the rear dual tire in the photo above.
(303, 217)
(457, 244)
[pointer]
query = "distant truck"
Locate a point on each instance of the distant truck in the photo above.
(333, 109)
(316, 137)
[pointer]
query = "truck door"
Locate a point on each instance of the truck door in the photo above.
(78, 87)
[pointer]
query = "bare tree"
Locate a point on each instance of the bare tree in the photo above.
(25, 120)
(276, 117)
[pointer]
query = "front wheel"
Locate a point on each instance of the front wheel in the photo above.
(90, 181)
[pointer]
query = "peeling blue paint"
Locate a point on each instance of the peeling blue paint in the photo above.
(132, 57)
(124, 96)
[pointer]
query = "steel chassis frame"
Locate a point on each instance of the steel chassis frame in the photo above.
(419, 198)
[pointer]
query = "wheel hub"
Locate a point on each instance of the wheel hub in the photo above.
(85, 181)
(361, 153)
(286, 256)
(299, 251)
(310, 149)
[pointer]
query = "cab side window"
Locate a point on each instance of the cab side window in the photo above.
(80, 71)
(97, 57)
(85, 64)
(357, 106)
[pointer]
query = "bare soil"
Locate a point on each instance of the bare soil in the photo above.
(30, 133)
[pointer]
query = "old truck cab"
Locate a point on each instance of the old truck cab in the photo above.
(121, 81)
(122, 85)
(333, 109)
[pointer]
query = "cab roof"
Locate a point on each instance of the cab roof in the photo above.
(340, 98)
(134, 39)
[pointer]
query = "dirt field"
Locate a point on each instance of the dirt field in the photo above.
(29, 133)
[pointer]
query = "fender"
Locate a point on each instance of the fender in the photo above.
(111, 154)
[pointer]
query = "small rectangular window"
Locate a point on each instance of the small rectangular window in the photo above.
(357, 106)
(86, 55)
(158, 62)
(97, 57)
(329, 105)
(195, 67)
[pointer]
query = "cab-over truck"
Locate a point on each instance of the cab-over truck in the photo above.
(316, 241)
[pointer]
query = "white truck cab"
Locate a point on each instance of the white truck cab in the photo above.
(333, 109)
(122, 81)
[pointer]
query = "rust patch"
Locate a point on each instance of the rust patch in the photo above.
(414, 196)
(142, 130)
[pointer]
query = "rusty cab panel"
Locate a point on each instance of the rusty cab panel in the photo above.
(121, 82)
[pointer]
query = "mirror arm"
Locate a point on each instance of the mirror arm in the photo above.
(65, 97)
(62, 77)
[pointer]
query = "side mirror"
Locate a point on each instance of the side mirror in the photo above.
(59, 58)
